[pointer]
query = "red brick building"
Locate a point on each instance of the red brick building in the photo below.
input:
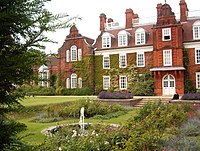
(169, 48)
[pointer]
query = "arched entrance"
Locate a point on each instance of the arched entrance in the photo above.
(168, 83)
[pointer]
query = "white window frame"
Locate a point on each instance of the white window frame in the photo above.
(67, 55)
(197, 80)
(196, 30)
(73, 53)
(106, 41)
(68, 83)
(73, 81)
(122, 61)
(79, 54)
(140, 36)
(106, 62)
(106, 82)
(167, 57)
(165, 33)
(123, 82)
(140, 59)
(123, 38)
(197, 55)
(80, 82)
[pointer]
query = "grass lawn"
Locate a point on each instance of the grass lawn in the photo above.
(42, 100)
(33, 132)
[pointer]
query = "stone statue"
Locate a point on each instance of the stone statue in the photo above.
(81, 122)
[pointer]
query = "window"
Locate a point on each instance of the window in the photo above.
(106, 40)
(73, 81)
(196, 30)
(140, 36)
(106, 82)
(80, 82)
(140, 59)
(166, 34)
(123, 82)
(73, 53)
(167, 57)
(106, 62)
(122, 60)
(79, 54)
(198, 80)
(43, 75)
(123, 38)
(197, 55)
(67, 83)
(67, 56)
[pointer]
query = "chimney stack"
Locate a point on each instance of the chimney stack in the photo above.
(102, 22)
(183, 11)
(159, 6)
(129, 18)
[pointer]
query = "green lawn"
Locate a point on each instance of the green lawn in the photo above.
(33, 132)
(42, 100)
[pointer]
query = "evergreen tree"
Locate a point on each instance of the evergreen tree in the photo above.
(23, 25)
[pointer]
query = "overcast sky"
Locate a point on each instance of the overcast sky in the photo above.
(90, 10)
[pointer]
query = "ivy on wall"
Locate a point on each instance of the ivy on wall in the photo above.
(98, 73)
(84, 69)
(188, 86)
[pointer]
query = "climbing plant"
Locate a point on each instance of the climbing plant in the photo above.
(84, 68)
(188, 86)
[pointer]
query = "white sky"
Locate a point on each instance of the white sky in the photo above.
(90, 11)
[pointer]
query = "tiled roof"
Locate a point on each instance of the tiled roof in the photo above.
(131, 43)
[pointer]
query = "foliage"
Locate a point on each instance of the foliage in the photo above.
(191, 96)
(77, 91)
(143, 86)
(45, 118)
(36, 90)
(114, 76)
(90, 108)
(188, 86)
(110, 115)
(24, 24)
(146, 131)
(53, 80)
(186, 137)
(8, 132)
(148, 127)
(84, 69)
(115, 95)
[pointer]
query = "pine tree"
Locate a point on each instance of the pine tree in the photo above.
(23, 25)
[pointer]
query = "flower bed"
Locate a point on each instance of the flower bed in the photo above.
(191, 96)
(115, 95)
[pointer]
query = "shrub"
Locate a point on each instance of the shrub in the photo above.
(44, 118)
(77, 91)
(91, 108)
(191, 96)
(36, 90)
(143, 88)
(115, 95)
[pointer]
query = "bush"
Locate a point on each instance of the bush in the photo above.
(36, 90)
(115, 95)
(77, 91)
(91, 108)
(144, 88)
(191, 96)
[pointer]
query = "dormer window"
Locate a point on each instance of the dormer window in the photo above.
(106, 40)
(123, 38)
(196, 30)
(140, 36)
(166, 34)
